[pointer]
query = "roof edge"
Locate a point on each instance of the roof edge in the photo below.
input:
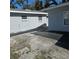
(57, 6)
(28, 12)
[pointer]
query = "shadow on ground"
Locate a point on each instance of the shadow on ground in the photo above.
(43, 27)
(64, 41)
(61, 37)
(55, 36)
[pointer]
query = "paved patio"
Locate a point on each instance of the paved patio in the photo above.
(38, 45)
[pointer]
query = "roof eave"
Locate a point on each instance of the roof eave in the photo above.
(54, 7)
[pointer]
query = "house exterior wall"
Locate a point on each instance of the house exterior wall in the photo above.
(17, 24)
(56, 19)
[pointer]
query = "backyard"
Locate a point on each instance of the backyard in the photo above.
(39, 45)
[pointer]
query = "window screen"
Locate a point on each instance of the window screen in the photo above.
(24, 17)
(40, 18)
(66, 18)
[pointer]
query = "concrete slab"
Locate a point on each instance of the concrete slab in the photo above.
(41, 45)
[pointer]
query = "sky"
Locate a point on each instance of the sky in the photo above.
(31, 2)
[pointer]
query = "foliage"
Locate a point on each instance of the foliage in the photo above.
(38, 5)
(65, 0)
(19, 1)
(46, 3)
(12, 6)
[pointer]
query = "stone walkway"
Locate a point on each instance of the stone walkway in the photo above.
(37, 45)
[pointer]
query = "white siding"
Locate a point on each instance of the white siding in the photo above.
(17, 24)
(56, 19)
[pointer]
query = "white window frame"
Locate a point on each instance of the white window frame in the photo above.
(66, 17)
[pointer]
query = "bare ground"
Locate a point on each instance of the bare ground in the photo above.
(37, 45)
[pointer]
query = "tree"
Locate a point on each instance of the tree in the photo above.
(46, 3)
(41, 4)
(22, 3)
(38, 5)
(26, 6)
(12, 6)
(65, 0)
(54, 2)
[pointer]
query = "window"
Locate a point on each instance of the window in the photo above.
(24, 17)
(40, 18)
(47, 16)
(66, 18)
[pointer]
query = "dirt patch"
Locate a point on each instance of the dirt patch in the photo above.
(32, 46)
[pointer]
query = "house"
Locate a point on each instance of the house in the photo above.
(58, 17)
(21, 20)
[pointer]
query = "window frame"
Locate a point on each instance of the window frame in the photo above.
(24, 17)
(66, 17)
(40, 18)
